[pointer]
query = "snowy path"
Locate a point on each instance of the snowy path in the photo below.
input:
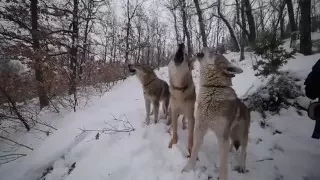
(144, 154)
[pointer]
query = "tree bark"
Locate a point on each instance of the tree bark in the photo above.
(43, 98)
(251, 23)
(126, 59)
(201, 24)
(185, 27)
(243, 34)
(74, 49)
(261, 17)
(85, 41)
(293, 25)
(305, 27)
(231, 31)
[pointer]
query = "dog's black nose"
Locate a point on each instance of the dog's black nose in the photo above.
(181, 46)
(200, 55)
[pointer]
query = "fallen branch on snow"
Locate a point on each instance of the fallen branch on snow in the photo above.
(126, 127)
(16, 142)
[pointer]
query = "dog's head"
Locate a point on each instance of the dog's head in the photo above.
(180, 55)
(216, 66)
(143, 72)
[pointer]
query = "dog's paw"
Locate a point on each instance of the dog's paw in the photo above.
(189, 166)
(172, 142)
(240, 169)
(147, 120)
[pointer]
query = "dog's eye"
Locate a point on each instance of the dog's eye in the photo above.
(200, 55)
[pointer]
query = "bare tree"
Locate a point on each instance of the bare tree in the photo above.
(130, 15)
(251, 23)
(201, 24)
(231, 31)
(74, 52)
(293, 26)
(185, 27)
(305, 27)
(43, 98)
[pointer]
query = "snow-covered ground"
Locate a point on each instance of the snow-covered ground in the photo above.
(144, 154)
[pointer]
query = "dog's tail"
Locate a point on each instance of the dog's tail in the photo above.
(235, 132)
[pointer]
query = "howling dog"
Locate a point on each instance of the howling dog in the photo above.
(220, 110)
(155, 90)
(182, 94)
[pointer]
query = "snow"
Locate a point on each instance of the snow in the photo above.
(144, 153)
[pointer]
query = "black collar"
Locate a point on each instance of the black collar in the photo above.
(149, 82)
(215, 86)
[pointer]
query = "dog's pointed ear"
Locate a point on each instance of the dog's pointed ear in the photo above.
(232, 69)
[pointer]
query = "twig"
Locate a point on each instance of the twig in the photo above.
(46, 125)
(16, 143)
(266, 159)
(127, 127)
(7, 158)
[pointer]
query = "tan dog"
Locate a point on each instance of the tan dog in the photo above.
(220, 110)
(155, 90)
(182, 94)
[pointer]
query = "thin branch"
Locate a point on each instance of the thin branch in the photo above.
(16, 142)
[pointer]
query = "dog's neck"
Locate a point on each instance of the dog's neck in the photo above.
(149, 82)
(179, 88)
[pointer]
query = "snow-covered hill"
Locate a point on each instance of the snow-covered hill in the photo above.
(70, 154)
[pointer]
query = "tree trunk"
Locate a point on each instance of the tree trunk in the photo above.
(85, 47)
(175, 26)
(282, 27)
(305, 27)
(217, 34)
(293, 25)
(243, 34)
(201, 24)
(74, 49)
(231, 31)
(261, 16)
(185, 27)
(251, 23)
(126, 59)
(43, 98)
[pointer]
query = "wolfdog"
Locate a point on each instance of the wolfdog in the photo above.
(182, 94)
(155, 90)
(220, 110)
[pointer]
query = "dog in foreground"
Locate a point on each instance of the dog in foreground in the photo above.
(155, 90)
(220, 110)
(182, 94)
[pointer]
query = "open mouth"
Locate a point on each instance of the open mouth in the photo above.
(131, 69)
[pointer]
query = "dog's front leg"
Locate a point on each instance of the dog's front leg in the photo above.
(191, 120)
(174, 119)
(199, 132)
(147, 104)
(223, 151)
(156, 110)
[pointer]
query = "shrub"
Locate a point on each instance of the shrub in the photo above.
(279, 93)
(273, 56)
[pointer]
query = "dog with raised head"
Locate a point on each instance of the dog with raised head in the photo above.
(155, 90)
(182, 94)
(219, 109)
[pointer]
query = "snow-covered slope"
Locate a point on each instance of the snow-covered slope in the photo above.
(144, 153)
